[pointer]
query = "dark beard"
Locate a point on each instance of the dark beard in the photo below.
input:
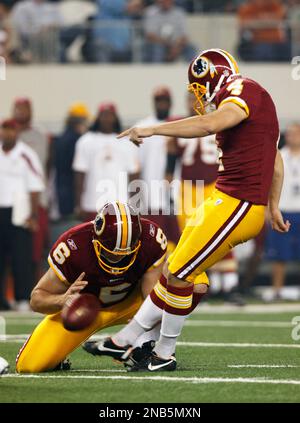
(162, 114)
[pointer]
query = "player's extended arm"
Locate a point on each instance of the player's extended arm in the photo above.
(50, 293)
(227, 116)
(150, 279)
(278, 224)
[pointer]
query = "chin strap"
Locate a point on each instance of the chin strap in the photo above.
(210, 98)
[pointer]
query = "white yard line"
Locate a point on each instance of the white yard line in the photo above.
(190, 322)
(193, 380)
(262, 366)
(238, 323)
(98, 370)
(204, 308)
(235, 345)
(21, 338)
(247, 309)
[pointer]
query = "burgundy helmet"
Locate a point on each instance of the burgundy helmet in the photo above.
(118, 230)
(207, 73)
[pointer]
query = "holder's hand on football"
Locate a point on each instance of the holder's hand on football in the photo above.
(136, 135)
(277, 221)
(76, 287)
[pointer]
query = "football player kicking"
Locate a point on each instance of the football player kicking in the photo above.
(250, 176)
(118, 257)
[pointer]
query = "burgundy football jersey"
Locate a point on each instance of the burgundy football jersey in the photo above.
(198, 159)
(247, 151)
(73, 253)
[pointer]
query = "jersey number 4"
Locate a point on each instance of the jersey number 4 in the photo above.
(236, 87)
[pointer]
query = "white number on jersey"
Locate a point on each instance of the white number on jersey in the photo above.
(161, 239)
(61, 252)
(236, 87)
(108, 293)
(207, 146)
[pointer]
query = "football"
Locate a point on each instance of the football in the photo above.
(80, 311)
(4, 366)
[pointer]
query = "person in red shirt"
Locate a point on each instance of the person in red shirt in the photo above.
(250, 176)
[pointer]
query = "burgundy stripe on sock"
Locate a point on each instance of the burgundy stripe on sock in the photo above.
(182, 292)
(163, 280)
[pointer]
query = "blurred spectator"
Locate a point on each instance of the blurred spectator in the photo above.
(166, 33)
(103, 164)
(263, 33)
(38, 141)
(64, 148)
(188, 5)
(153, 158)
(284, 248)
(37, 24)
(21, 181)
(231, 6)
(5, 33)
(294, 17)
(9, 3)
(113, 31)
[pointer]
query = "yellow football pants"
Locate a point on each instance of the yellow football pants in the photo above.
(217, 226)
(50, 342)
(188, 200)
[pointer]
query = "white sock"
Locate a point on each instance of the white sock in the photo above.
(171, 327)
(149, 314)
(146, 317)
(128, 334)
(150, 335)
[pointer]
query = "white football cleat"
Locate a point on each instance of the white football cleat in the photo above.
(4, 366)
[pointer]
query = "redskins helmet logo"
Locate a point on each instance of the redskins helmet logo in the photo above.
(99, 224)
(200, 67)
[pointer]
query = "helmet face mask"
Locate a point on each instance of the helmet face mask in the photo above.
(117, 232)
(199, 92)
(207, 73)
(109, 266)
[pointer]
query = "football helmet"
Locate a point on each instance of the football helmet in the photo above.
(117, 231)
(207, 73)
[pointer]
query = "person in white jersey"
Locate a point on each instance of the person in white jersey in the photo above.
(21, 182)
(39, 141)
(284, 249)
(153, 158)
(103, 166)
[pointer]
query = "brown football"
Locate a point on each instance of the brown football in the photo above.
(80, 311)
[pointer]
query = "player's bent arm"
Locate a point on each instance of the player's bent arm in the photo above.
(227, 116)
(277, 221)
(150, 279)
(47, 296)
(277, 182)
(50, 293)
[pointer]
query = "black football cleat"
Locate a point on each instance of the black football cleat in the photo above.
(63, 365)
(158, 364)
(154, 364)
(138, 358)
(106, 347)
